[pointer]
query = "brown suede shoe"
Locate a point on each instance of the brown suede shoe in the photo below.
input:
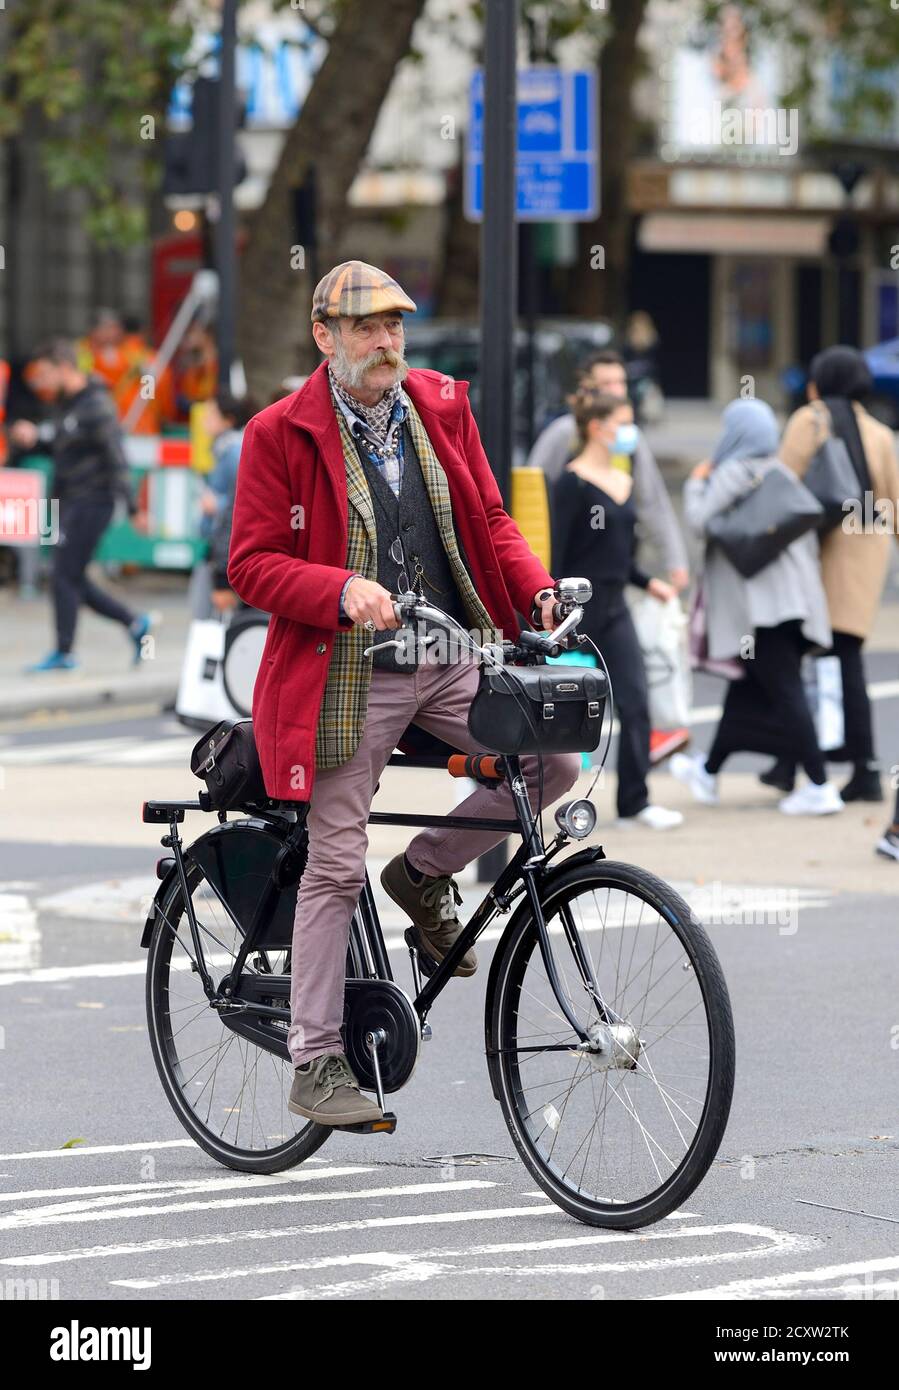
(430, 904)
(325, 1090)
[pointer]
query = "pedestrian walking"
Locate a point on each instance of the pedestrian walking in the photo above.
(90, 474)
(763, 624)
(855, 554)
(225, 418)
(594, 516)
(369, 480)
(605, 373)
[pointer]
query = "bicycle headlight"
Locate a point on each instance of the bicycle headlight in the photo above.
(577, 818)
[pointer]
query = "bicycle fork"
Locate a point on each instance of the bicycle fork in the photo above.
(530, 869)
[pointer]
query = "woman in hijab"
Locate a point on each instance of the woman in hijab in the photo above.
(854, 555)
(763, 625)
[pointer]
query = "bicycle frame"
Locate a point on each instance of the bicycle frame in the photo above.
(528, 865)
(523, 873)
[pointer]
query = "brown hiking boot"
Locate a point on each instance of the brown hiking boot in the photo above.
(431, 905)
(325, 1090)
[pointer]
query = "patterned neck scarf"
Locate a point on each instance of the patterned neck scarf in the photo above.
(378, 417)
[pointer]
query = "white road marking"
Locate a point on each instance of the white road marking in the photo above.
(149, 1247)
(755, 900)
(748, 1288)
(94, 1208)
(103, 1208)
(427, 1263)
(118, 750)
(99, 1149)
(710, 714)
(121, 749)
(182, 1186)
(20, 937)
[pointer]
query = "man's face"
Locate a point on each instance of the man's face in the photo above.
(107, 336)
(45, 379)
(610, 378)
(366, 353)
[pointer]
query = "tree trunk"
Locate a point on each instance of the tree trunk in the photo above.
(331, 134)
(459, 287)
(603, 292)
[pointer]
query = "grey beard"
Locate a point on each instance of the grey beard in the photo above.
(352, 374)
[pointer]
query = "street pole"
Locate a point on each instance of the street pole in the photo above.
(226, 228)
(499, 269)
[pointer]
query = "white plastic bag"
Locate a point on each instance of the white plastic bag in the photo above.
(662, 634)
(201, 692)
(823, 680)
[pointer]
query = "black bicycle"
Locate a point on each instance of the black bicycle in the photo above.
(608, 1029)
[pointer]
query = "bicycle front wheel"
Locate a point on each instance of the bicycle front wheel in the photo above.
(620, 1133)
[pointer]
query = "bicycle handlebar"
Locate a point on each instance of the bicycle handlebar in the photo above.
(571, 595)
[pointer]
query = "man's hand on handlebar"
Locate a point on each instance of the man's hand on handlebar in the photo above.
(544, 610)
(366, 601)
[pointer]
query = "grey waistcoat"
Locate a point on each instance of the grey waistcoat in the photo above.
(411, 517)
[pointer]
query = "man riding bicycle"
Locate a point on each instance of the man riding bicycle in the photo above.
(371, 480)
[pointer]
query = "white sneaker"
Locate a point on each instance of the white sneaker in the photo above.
(692, 772)
(888, 846)
(812, 800)
(653, 817)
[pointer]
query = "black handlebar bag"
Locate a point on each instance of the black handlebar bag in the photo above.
(550, 709)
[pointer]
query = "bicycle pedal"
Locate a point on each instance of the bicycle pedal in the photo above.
(426, 965)
(386, 1125)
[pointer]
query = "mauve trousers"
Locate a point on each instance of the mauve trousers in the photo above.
(436, 698)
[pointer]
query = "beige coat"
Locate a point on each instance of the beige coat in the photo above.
(854, 555)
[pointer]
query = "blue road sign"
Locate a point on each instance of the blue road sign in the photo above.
(558, 158)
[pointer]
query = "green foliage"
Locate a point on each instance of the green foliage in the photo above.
(88, 73)
(864, 34)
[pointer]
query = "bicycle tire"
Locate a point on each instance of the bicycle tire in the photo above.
(513, 953)
(300, 1147)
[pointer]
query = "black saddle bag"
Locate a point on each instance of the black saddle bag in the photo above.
(552, 708)
(227, 761)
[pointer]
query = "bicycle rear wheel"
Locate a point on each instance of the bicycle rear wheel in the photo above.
(230, 1095)
(618, 1136)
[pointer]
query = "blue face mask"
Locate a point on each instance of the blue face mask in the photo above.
(626, 439)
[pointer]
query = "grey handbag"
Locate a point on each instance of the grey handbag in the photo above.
(776, 511)
(831, 478)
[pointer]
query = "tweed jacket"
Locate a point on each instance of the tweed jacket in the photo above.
(342, 716)
(303, 523)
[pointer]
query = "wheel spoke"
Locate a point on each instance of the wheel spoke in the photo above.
(621, 1138)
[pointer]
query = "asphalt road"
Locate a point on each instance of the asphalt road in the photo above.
(801, 1202)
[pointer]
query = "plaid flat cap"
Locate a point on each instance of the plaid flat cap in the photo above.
(353, 289)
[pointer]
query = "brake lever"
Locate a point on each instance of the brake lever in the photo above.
(400, 643)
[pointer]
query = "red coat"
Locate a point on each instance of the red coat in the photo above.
(288, 549)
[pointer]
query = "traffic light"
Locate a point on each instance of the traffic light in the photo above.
(191, 156)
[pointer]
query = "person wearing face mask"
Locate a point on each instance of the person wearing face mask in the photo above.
(593, 534)
(605, 374)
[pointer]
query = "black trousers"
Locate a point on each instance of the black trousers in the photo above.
(612, 629)
(81, 524)
(858, 740)
(768, 712)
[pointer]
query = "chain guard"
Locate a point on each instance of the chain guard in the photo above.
(372, 1004)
